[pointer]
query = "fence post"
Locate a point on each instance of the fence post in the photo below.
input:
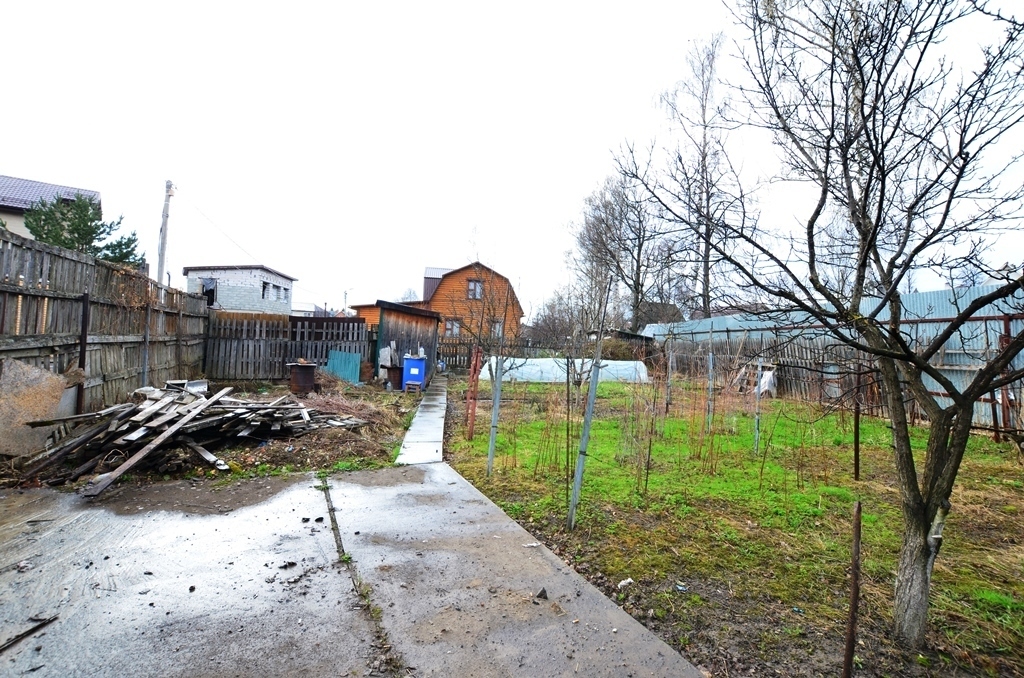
(83, 339)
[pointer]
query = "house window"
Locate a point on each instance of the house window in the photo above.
(284, 291)
(497, 328)
(451, 328)
(475, 290)
(266, 288)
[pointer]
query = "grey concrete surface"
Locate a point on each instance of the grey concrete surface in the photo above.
(424, 441)
(121, 578)
(456, 581)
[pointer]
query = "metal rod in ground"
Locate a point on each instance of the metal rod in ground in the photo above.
(856, 428)
(495, 411)
(581, 458)
(711, 390)
(757, 407)
(851, 624)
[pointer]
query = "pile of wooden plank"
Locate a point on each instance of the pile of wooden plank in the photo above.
(160, 421)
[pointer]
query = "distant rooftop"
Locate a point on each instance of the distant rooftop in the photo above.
(21, 194)
(434, 272)
(243, 267)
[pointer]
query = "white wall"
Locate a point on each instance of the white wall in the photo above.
(254, 290)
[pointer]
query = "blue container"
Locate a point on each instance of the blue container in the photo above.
(414, 370)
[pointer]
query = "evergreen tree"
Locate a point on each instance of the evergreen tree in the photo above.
(78, 225)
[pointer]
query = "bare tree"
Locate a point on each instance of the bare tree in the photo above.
(900, 146)
(622, 237)
(700, 183)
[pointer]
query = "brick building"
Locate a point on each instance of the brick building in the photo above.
(254, 289)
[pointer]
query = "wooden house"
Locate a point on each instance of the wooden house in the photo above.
(476, 304)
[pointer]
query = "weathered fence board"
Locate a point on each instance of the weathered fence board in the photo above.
(41, 310)
(258, 346)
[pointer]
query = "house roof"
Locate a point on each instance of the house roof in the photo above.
(20, 194)
(411, 310)
(244, 267)
(434, 272)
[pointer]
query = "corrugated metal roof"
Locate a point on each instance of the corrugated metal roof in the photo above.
(936, 305)
(21, 194)
(434, 272)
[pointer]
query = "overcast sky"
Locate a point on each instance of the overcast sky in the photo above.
(349, 145)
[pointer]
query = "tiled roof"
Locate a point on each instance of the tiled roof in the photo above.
(21, 194)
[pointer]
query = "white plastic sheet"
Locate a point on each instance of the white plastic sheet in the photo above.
(552, 370)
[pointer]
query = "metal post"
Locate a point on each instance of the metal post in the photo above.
(757, 408)
(851, 624)
(856, 427)
(711, 389)
(495, 411)
(581, 458)
(162, 248)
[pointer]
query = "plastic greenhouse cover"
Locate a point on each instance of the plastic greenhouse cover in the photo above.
(553, 370)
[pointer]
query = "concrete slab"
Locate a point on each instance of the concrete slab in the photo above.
(423, 442)
(169, 593)
(456, 582)
(420, 453)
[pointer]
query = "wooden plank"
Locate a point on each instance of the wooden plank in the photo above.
(141, 454)
(204, 453)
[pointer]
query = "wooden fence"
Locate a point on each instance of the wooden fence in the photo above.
(137, 331)
(258, 346)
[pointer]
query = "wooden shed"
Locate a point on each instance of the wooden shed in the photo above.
(405, 330)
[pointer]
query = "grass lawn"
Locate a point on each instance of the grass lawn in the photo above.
(741, 558)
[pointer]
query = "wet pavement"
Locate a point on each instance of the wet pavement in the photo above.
(186, 578)
(254, 591)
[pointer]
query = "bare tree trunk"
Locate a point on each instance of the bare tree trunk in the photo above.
(913, 583)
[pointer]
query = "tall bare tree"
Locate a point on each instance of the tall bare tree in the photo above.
(900, 144)
(621, 236)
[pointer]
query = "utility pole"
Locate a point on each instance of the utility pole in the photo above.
(162, 247)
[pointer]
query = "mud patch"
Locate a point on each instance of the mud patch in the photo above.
(197, 497)
(387, 477)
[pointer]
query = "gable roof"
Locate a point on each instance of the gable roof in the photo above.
(20, 194)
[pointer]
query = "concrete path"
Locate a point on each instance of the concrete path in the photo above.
(425, 438)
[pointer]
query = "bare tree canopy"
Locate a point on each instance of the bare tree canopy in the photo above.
(901, 145)
(622, 237)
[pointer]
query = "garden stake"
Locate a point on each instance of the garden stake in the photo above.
(851, 624)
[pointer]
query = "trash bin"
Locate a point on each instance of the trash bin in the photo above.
(303, 378)
(414, 370)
